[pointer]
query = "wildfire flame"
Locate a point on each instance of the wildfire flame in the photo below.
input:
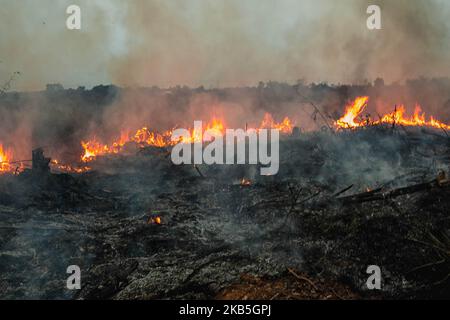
(214, 127)
(269, 123)
(6, 162)
(145, 137)
(5, 158)
(354, 110)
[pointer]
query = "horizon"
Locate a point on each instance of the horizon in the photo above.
(366, 82)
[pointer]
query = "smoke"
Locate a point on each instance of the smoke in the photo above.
(221, 43)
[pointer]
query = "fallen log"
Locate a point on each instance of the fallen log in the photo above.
(40, 163)
(376, 195)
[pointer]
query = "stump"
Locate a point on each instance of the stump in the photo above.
(40, 162)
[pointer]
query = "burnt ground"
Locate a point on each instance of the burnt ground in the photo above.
(295, 235)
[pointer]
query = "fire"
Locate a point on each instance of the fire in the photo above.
(5, 158)
(246, 182)
(69, 168)
(155, 219)
(269, 123)
(418, 119)
(214, 127)
(146, 137)
(143, 137)
(353, 111)
(6, 162)
(92, 149)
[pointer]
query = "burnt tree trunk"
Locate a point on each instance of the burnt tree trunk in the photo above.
(40, 162)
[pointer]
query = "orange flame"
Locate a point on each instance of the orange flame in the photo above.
(69, 168)
(269, 123)
(154, 220)
(6, 164)
(145, 137)
(354, 110)
(5, 158)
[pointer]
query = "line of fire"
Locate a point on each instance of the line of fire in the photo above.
(87, 180)
(145, 137)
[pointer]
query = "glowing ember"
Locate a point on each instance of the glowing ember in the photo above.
(154, 220)
(69, 168)
(245, 182)
(353, 111)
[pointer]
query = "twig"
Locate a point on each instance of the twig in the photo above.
(374, 195)
(342, 191)
(198, 170)
(317, 110)
(276, 295)
(302, 278)
(443, 129)
(426, 266)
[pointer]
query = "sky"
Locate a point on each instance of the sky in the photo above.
(220, 43)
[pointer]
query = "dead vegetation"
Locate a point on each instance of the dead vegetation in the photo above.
(341, 202)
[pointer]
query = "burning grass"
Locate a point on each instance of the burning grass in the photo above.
(146, 137)
(353, 117)
(5, 159)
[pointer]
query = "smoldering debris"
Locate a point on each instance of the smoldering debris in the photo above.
(215, 232)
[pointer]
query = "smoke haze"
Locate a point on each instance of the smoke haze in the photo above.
(221, 43)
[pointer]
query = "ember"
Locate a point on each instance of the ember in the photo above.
(246, 182)
(154, 220)
(69, 168)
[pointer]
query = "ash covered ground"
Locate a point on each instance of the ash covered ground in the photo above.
(341, 201)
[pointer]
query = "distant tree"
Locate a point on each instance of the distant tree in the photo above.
(261, 85)
(54, 87)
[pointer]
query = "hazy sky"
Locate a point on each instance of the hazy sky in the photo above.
(221, 42)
